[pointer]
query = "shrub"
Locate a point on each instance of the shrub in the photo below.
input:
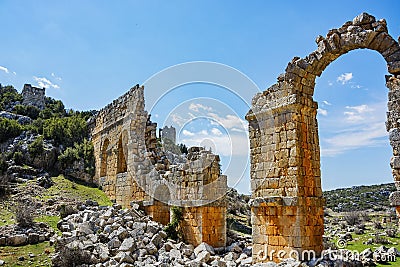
(24, 213)
(30, 111)
(8, 94)
(352, 218)
(83, 151)
(18, 158)
(3, 164)
(36, 147)
(172, 228)
(65, 131)
(54, 107)
(183, 148)
(9, 129)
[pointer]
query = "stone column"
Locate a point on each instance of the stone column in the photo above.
(393, 127)
(287, 203)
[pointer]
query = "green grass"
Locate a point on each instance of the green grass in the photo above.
(357, 244)
(70, 189)
(11, 254)
(62, 187)
(6, 217)
(51, 221)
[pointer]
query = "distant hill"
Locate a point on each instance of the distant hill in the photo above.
(357, 198)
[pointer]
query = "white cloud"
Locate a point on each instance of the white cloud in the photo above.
(198, 107)
(345, 77)
(4, 69)
(326, 103)
(55, 77)
(330, 83)
(187, 133)
(229, 121)
(356, 114)
(177, 119)
(356, 86)
(354, 138)
(203, 132)
(216, 131)
(362, 126)
(45, 83)
(323, 112)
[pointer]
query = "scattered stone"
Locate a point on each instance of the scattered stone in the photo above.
(204, 247)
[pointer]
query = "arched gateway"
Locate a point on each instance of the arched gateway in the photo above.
(287, 203)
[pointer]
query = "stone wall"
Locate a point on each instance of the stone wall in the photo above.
(287, 202)
(131, 167)
(33, 96)
(117, 128)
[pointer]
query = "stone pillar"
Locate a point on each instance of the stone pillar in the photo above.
(393, 127)
(287, 203)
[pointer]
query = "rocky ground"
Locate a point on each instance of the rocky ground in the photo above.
(112, 236)
(104, 235)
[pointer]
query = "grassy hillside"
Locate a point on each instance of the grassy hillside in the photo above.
(63, 192)
(358, 198)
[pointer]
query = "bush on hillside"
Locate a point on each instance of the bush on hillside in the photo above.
(18, 157)
(36, 147)
(9, 129)
(30, 111)
(8, 94)
(65, 131)
(352, 218)
(83, 151)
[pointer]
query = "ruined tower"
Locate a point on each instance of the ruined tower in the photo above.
(33, 96)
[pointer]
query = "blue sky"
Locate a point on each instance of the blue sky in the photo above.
(87, 53)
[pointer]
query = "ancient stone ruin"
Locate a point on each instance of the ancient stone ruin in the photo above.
(168, 133)
(132, 168)
(33, 96)
(287, 203)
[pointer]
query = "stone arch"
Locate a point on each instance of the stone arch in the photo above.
(122, 152)
(104, 158)
(287, 202)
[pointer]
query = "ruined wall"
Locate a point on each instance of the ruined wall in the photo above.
(287, 202)
(200, 190)
(131, 167)
(168, 133)
(117, 128)
(33, 96)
